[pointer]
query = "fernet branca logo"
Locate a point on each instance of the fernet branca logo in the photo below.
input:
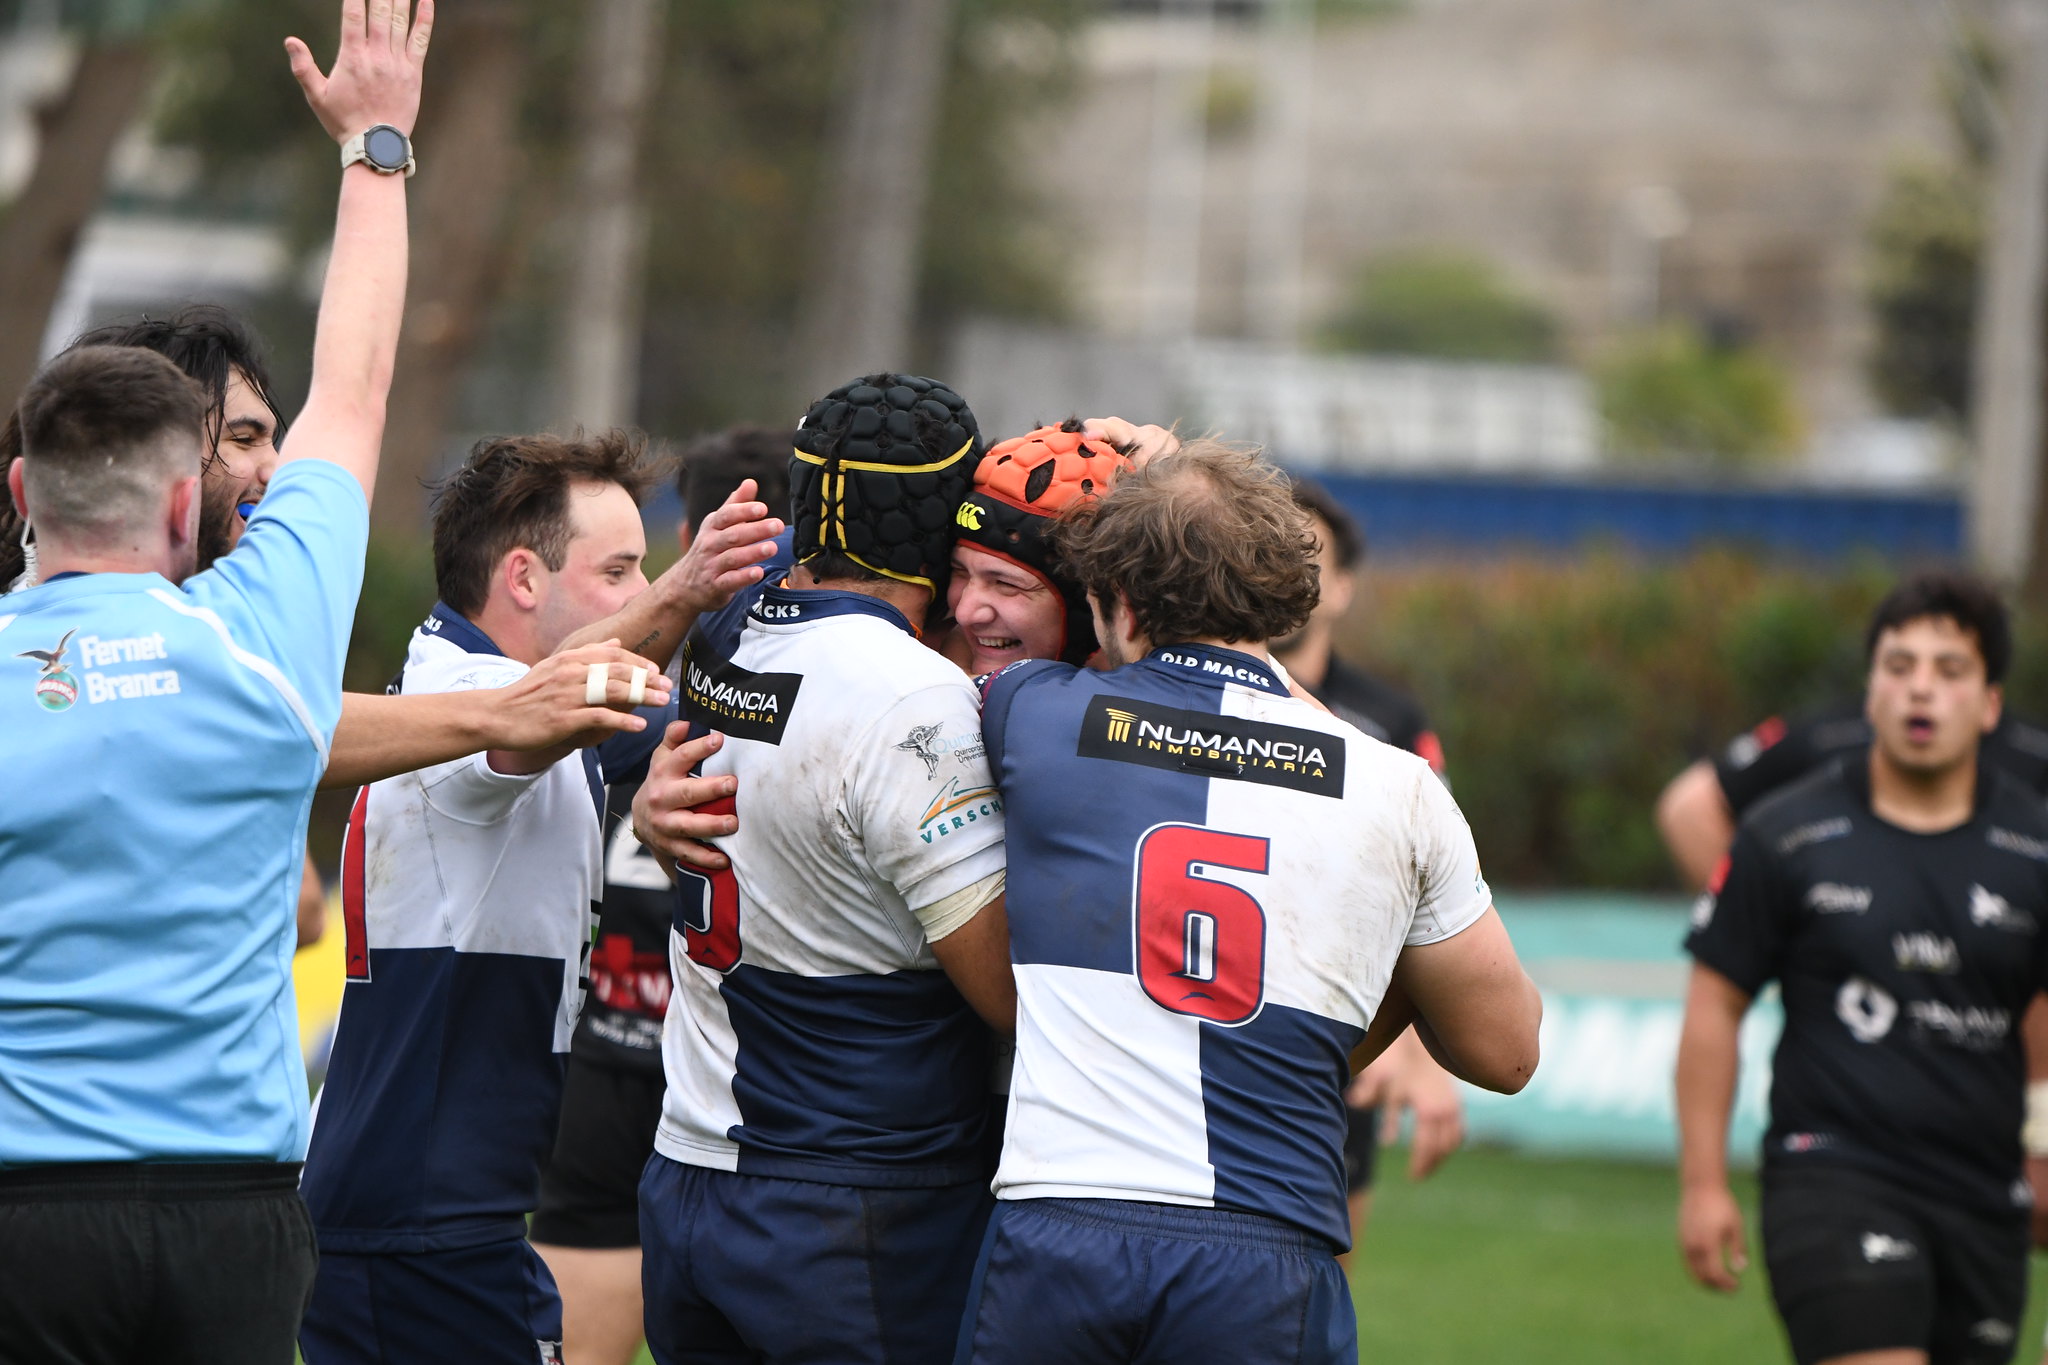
(56, 685)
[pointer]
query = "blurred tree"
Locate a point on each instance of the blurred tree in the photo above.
(1925, 240)
(1439, 302)
(76, 132)
(1679, 391)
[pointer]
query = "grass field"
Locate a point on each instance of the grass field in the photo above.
(1510, 1260)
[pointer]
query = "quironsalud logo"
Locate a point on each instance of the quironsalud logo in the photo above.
(56, 685)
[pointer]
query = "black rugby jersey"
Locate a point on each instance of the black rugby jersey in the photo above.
(1905, 961)
(1759, 761)
(629, 977)
(1381, 710)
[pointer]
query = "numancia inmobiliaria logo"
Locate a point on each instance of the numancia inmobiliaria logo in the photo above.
(56, 685)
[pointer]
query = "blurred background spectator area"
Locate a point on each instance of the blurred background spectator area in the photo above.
(1643, 335)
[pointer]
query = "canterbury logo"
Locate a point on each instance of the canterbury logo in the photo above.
(969, 516)
(1119, 724)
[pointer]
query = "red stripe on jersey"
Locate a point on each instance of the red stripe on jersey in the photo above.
(354, 926)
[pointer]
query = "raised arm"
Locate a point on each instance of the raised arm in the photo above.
(376, 79)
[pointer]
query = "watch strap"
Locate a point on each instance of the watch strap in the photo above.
(354, 150)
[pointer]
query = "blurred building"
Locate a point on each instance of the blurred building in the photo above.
(1226, 164)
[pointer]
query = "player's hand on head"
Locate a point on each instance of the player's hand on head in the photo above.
(580, 696)
(726, 554)
(1711, 1237)
(666, 817)
(1141, 443)
(376, 74)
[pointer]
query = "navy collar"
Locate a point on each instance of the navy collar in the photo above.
(1220, 665)
(784, 606)
(458, 630)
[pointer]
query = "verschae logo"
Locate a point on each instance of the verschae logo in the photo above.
(1125, 730)
(723, 696)
(56, 685)
(957, 806)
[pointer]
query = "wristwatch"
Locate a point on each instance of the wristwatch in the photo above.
(382, 148)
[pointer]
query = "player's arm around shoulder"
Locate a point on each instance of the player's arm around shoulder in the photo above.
(468, 789)
(1473, 1005)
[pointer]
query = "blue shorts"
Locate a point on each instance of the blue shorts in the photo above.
(1116, 1282)
(488, 1304)
(766, 1271)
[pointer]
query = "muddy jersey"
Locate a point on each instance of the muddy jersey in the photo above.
(1210, 884)
(1905, 961)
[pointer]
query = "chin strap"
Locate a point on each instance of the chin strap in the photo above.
(29, 568)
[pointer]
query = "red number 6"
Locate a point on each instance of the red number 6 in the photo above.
(1200, 944)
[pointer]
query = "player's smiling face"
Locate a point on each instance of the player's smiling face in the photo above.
(1929, 701)
(602, 568)
(243, 460)
(1005, 612)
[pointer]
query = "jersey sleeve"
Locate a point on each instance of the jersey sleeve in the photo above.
(470, 789)
(287, 592)
(921, 804)
(1451, 894)
(1738, 926)
(1757, 762)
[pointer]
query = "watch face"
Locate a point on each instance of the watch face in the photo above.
(386, 148)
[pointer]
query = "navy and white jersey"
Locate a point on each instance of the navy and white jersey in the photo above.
(467, 900)
(1212, 882)
(811, 1034)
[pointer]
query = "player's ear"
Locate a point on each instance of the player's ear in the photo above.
(522, 574)
(16, 488)
(1994, 706)
(183, 512)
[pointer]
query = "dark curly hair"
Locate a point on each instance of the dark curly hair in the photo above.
(1965, 599)
(1205, 544)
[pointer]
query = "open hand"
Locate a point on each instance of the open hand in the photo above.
(726, 553)
(376, 75)
(1141, 443)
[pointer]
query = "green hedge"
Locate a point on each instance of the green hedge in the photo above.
(1567, 694)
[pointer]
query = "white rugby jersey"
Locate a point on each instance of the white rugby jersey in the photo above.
(811, 1033)
(468, 899)
(1211, 881)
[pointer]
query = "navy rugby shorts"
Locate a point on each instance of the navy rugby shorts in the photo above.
(759, 1270)
(487, 1305)
(1117, 1282)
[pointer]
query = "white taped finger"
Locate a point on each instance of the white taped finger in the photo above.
(593, 684)
(636, 690)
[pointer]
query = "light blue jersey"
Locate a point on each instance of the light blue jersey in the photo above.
(159, 747)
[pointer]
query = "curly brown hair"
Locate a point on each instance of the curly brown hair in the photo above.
(1204, 544)
(513, 493)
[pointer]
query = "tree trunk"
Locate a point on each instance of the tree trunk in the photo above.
(461, 241)
(76, 137)
(856, 316)
(601, 310)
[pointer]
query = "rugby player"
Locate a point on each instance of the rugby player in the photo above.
(467, 894)
(1199, 951)
(1898, 898)
(165, 729)
(1403, 1078)
(587, 1227)
(821, 1167)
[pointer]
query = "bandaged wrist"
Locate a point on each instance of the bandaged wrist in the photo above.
(948, 913)
(2034, 1136)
